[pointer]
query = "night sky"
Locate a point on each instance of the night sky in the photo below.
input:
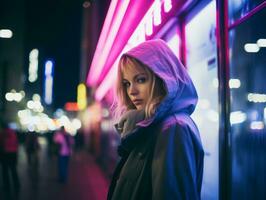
(54, 27)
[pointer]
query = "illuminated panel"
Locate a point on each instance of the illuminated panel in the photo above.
(82, 96)
(167, 5)
(234, 83)
(157, 15)
(261, 42)
(251, 47)
(152, 17)
(256, 98)
(99, 60)
(15, 96)
(33, 65)
(48, 85)
(237, 117)
(6, 33)
(149, 27)
(71, 106)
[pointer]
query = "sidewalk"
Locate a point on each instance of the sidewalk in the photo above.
(86, 180)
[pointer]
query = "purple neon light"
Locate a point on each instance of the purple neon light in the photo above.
(100, 58)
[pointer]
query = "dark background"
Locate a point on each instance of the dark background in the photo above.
(54, 27)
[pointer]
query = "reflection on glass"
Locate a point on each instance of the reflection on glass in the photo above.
(202, 66)
(248, 102)
(239, 8)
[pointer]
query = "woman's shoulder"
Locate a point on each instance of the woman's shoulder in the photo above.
(177, 122)
(179, 128)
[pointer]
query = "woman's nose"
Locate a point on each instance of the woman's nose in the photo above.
(133, 90)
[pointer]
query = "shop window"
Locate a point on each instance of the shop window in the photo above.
(248, 107)
(201, 59)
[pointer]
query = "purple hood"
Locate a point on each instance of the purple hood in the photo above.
(181, 94)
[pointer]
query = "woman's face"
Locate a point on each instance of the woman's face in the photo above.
(137, 83)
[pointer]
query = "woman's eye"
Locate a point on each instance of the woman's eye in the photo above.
(126, 84)
(141, 80)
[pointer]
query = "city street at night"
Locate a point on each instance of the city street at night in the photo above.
(132, 99)
(86, 180)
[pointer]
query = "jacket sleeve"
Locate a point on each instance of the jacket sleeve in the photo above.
(174, 165)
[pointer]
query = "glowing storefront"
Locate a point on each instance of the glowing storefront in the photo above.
(209, 38)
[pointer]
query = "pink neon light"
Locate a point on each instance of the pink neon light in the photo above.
(110, 78)
(132, 22)
(102, 39)
(131, 19)
(135, 12)
(107, 83)
(101, 57)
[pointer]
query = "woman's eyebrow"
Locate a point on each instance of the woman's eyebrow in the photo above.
(137, 75)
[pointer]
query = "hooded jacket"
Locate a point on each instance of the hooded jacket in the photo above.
(162, 158)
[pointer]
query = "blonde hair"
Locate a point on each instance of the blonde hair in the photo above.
(123, 103)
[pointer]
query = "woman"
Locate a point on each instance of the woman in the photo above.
(161, 151)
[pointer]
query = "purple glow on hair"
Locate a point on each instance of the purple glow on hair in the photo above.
(105, 46)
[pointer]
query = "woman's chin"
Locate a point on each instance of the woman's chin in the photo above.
(139, 107)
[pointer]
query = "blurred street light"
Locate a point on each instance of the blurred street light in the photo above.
(6, 33)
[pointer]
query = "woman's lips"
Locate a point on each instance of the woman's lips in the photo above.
(137, 102)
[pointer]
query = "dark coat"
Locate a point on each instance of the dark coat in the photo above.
(162, 162)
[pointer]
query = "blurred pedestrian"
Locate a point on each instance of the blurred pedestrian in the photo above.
(161, 151)
(32, 148)
(9, 150)
(64, 141)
